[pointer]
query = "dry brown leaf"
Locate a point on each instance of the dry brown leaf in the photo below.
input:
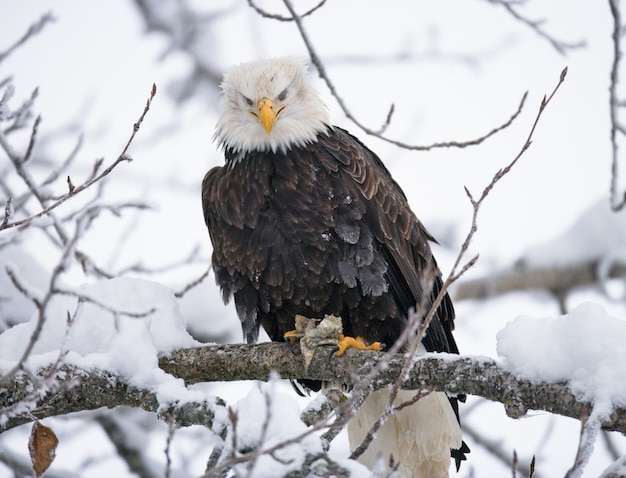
(42, 446)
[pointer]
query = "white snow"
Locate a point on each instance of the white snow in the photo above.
(266, 418)
(584, 348)
(104, 336)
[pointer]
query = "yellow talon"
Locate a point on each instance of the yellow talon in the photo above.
(292, 336)
(355, 343)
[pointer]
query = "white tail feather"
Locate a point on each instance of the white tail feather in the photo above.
(418, 437)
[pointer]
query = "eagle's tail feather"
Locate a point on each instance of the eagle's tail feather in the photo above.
(418, 438)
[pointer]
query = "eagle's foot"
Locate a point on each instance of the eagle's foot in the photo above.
(345, 343)
(292, 336)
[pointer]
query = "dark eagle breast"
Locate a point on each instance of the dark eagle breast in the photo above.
(321, 229)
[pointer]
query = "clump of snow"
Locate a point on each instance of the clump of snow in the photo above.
(584, 348)
(122, 327)
(599, 234)
(266, 418)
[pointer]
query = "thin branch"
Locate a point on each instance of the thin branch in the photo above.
(179, 294)
(78, 189)
(535, 25)
(415, 317)
(42, 304)
(281, 18)
(582, 453)
(495, 449)
(33, 30)
(322, 72)
(616, 203)
(129, 448)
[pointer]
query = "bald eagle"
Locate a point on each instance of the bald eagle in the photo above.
(305, 219)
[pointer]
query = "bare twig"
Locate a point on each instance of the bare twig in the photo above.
(322, 72)
(43, 302)
(617, 203)
(129, 449)
(82, 187)
(588, 432)
(560, 46)
(495, 449)
(193, 283)
(171, 429)
(33, 30)
(416, 328)
(281, 18)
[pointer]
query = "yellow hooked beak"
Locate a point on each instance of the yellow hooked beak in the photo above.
(267, 114)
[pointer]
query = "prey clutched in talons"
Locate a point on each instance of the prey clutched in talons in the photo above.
(303, 327)
(327, 332)
(312, 333)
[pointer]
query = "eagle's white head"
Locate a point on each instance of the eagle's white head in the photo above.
(269, 105)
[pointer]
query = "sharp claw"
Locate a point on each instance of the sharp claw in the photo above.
(290, 346)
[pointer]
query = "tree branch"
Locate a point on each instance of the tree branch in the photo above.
(556, 279)
(475, 376)
(617, 202)
(80, 389)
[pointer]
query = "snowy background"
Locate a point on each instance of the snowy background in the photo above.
(453, 69)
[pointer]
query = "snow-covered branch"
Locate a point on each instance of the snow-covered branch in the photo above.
(80, 389)
(91, 389)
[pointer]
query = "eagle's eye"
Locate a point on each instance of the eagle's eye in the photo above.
(248, 101)
(283, 95)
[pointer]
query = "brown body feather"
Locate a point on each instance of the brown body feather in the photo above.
(321, 229)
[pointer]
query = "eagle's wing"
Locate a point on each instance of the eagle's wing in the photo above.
(229, 244)
(413, 275)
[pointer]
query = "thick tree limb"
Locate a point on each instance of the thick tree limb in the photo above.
(88, 390)
(471, 375)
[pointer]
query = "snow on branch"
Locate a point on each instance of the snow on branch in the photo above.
(81, 389)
